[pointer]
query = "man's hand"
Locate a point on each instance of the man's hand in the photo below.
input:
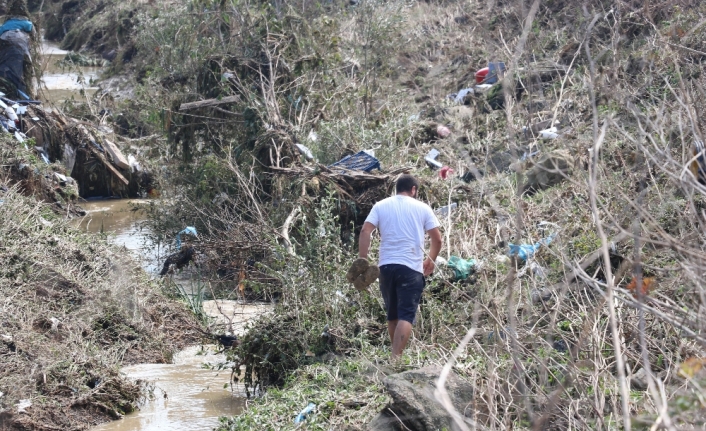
(364, 240)
(429, 266)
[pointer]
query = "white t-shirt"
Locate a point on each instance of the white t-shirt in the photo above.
(402, 222)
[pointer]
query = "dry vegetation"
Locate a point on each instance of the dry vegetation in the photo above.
(568, 346)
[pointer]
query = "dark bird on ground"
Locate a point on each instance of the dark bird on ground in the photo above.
(227, 340)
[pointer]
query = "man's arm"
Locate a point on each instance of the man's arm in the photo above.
(430, 262)
(364, 240)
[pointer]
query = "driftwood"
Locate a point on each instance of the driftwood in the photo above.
(100, 156)
(208, 103)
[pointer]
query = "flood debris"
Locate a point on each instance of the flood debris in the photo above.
(430, 158)
(302, 416)
(462, 268)
(361, 161)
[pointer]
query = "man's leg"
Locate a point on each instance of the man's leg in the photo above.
(391, 326)
(400, 337)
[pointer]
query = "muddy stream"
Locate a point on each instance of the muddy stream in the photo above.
(193, 391)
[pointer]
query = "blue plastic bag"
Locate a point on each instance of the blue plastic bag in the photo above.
(525, 251)
(190, 230)
(301, 417)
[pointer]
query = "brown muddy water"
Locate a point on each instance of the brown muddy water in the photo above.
(192, 392)
(64, 83)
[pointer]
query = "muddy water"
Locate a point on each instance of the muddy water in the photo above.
(64, 83)
(121, 220)
(187, 395)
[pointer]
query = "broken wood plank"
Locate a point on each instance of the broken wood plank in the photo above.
(118, 158)
(99, 155)
(208, 102)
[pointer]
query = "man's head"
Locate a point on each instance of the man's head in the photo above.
(408, 185)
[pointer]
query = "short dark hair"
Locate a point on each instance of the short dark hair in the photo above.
(405, 183)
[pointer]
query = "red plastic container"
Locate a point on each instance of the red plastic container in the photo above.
(481, 74)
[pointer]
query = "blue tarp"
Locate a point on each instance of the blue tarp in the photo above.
(16, 24)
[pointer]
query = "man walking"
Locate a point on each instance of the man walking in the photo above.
(402, 221)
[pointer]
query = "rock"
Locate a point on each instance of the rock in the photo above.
(414, 404)
(550, 170)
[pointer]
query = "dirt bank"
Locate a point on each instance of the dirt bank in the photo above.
(74, 311)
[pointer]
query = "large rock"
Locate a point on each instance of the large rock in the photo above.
(414, 403)
(550, 170)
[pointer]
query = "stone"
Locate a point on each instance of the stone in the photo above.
(357, 268)
(414, 403)
(550, 170)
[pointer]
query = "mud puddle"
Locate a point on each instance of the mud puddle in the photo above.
(61, 83)
(189, 394)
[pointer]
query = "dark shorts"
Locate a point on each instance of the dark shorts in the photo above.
(401, 289)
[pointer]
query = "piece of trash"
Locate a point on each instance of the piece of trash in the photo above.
(61, 178)
(370, 152)
(23, 405)
(482, 88)
(430, 158)
(35, 118)
(10, 113)
(412, 118)
(440, 261)
(360, 161)
(226, 76)
(462, 268)
(445, 171)
(305, 151)
(20, 136)
(550, 133)
(21, 110)
(442, 131)
(45, 222)
(188, 231)
(444, 211)
(525, 251)
(313, 136)
(461, 95)
(526, 156)
(45, 158)
(489, 75)
(301, 417)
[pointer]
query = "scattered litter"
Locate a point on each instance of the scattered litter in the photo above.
(44, 157)
(188, 231)
(412, 118)
(301, 417)
(35, 118)
(525, 251)
(45, 222)
(550, 133)
(482, 88)
(23, 405)
(430, 158)
(526, 156)
(313, 136)
(305, 151)
(10, 113)
(370, 152)
(440, 261)
(21, 110)
(442, 131)
(134, 164)
(226, 76)
(360, 161)
(462, 268)
(20, 137)
(61, 178)
(445, 172)
(489, 75)
(444, 211)
(461, 95)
